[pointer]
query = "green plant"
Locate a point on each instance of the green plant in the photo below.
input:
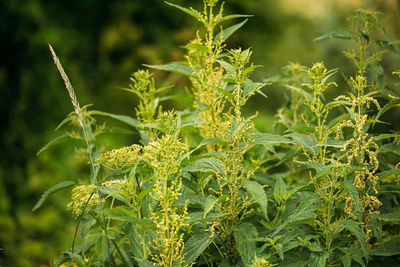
(202, 187)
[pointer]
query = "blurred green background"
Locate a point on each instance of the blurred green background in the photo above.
(100, 43)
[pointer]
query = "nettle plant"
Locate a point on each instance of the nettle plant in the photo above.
(204, 187)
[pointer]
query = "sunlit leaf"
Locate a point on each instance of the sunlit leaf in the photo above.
(226, 33)
(258, 192)
(336, 35)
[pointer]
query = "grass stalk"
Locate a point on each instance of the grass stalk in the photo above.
(78, 112)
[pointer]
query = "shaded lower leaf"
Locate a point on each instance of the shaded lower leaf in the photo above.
(245, 235)
(135, 241)
(196, 245)
(358, 233)
(319, 259)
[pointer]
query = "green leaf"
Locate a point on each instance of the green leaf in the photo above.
(387, 45)
(337, 35)
(309, 97)
(209, 204)
(145, 263)
(250, 86)
(51, 191)
(205, 165)
(199, 47)
(174, 67)
(186, 10)
(314, 165)
(124, 215)
(358, 233)
(178, 97)
(245, 235)
(377, 68)
(319, 259)
(387, 250)
(63, 122)
(196, 244)
(337, 103)
(203, 143)
(270, 139)
(303, 213)
(351, 188)
(225, 33)
(258, 192)
(122, 118)
(385, 136)
(86, 223)
(144, 192)
(346, 260)
(57, 140)
(392, 103)
(135, 241)
(232, 17)
(392, 217)
(227, 66)
(279, 190)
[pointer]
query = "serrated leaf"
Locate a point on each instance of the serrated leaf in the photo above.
(385, 136)
(227, 66)
(209, 204)
(144, 192)
(351, 188)
(270, 139)
(299, 214)
(377, 68)
(145, 263)
(234, 16)
(51, 191)
(250, 87)
(335, 34)
(196, 244)
(135, 241)
(319, 259)
(309, 97)
(226, 33)
(301, 128)
(63, 122)
(245, 235)
(314, 165)
(279, 190)
(205, 165)
(392, 217)
(86, 223)
(124, 215)
(57, 140)
(186, 10)
(122, 118)
(392, 103)
(387, 250)
(387, 45)
(200, 47)
(358, 233)
(258, 192)
(178, 97)
(174, 67)
(346, 260)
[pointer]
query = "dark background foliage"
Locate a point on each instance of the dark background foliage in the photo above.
(100, 43)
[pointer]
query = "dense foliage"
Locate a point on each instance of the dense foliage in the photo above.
(204, 186)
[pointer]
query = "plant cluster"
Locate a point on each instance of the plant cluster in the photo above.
(203, 187)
